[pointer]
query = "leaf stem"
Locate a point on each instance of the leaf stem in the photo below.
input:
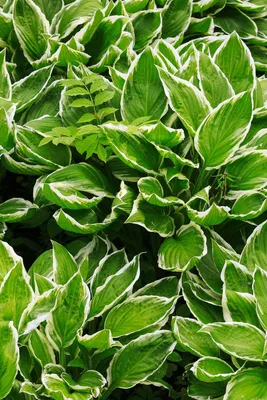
(62, 358)
(201, 179)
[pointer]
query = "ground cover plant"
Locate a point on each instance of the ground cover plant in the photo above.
(133, 203)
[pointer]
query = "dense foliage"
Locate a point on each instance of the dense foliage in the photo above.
(133, 204)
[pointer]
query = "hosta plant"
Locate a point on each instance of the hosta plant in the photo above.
(133, 136)
(71, 318)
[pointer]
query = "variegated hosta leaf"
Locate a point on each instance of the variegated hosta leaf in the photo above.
(8, 260)
(146, 25)
(32, 29)
(28, 144)
(65, 186)
(238, 301)
(176, 18)
(233, 338)
(211, 369)
(56, 387)
(139, 313)
(202, 305)
(254, 253)
(165, 287)
(186, 100)
(9, 357)
(259, 291)
(133, 148)
(239, 69)
(143, 94)
(184, 250)
(139, 359)
(247, 171)
(15, 294)
(73, 15)
(83, 221)
(152, 218)
(213, 82)
(100, 340)
(249, 206)
(221, 133)
(40, 348)
(163, 135)
(16, 210)
(115, 287)
(152, 191)
(64, 265)
(249, 383)
(37, 311)
(70, 313)
(29, 89)
(5, 81)
(88, 380)
(188, 335)
(212, 213)
(24, 168)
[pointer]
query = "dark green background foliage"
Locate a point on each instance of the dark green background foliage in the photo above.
(133, 203)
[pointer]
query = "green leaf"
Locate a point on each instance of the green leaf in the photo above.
(15, 210)
(72, 15)
(187, 333)
(49, 10)
(5, 82)
(41, 348)
(249, 206)
(139, 359)
(37, 311)
(165, 287)
(238, 302)
(152, 191)
(247, 171)
(248, 384)
(205, 312)
(81, 178)
(163, 135)
(86, 118)
(201, 211)
(233, 339)
(82, 221)
(64, 265)
(100, 340)
(146, 25)
(81, 103)
(139, 313)
(29, 89)
(132, 148)
(211, 369)
(151, 217)
(108, 266)
(103, 97)
(221, 133)
(9, 357)
(58, 388)
(29, 145)
(234, 59)
(184, 250)
(15, 294)
(186, 100)
(254, 253)
(212, 81)
(176, 18)
(103, 37)
(77, 91)
(70, 313)
(259, 291)
(115, 287)
(32, 29)
(88, 380)
(233, 20)
(143, 94)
